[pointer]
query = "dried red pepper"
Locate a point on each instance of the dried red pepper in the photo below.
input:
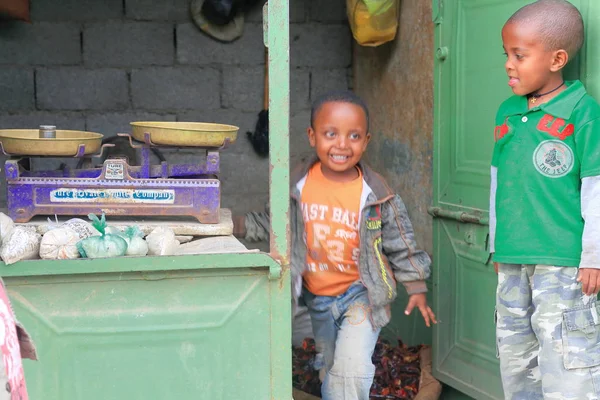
(396, 376)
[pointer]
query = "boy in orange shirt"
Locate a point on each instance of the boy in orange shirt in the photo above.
(352, 241)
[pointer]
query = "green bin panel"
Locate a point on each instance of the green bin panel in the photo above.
(191, 333)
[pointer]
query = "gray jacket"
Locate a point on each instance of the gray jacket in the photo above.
(388, 252)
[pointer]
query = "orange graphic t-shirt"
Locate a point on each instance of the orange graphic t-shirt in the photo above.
(331, 216)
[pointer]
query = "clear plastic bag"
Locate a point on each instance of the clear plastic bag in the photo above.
(373, 22)
(161, 242)
(21, 243)
(136, 245)
(6, 225)
(83, 228)
(59, 244)
(133, 235)
(106, 245)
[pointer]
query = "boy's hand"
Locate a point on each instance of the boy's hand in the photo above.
(590, 280)
(419, 300)
(496, 267)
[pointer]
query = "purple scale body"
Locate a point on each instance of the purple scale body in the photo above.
(117, 189)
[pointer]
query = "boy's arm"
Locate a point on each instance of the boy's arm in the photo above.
(590, 211)
(501, 126)
(410, 265)
(589, 266)
(587, 147)
(492, 226)
(493, 188)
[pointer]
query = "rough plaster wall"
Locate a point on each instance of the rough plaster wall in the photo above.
(97, 65)
(396, 80)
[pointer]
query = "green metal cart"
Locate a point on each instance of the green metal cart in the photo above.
(214, 326)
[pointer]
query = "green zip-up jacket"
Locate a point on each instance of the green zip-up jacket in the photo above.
(388, 252)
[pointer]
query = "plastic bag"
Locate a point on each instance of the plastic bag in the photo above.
(59, 244)
(83, 228)
(22, 243)
(373, 22)
(6, 225)
(112, 230)
(161, 242)
(133, 235)
(136, 245)
(103, 246)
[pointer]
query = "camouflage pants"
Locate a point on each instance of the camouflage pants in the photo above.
(548, 334)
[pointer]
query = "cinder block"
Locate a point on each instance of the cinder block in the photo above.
(128, 44)
(241, 174)
(350, 75)
(184, 155)
(40, 43)
(81, 89)
(51, 164)
(175, 88)
(70, 121)
(195, 47)
(241, 203)
(300, 150)
(297, 11)
(158, 10)
(17, 89)
(299, 90)
(319, 45)
(323, 81)
(243, 88)
(246, 121)
(244, 174)
(109, 124)
(76, 10)
(328, 11)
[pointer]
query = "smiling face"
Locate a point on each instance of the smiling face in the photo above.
(531, 68)
(339, 136)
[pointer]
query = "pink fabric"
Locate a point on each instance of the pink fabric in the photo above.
(11, 352)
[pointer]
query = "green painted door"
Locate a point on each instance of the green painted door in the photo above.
(470, 85)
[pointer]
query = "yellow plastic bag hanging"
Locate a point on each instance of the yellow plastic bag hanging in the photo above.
(373, 22)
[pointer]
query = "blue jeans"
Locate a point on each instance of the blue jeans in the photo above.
(345, 341)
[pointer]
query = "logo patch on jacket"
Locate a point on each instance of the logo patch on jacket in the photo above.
(553, 158)
(374, 218)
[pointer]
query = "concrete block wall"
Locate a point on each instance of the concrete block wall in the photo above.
(97, 65)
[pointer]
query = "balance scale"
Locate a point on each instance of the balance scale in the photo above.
(117, 188)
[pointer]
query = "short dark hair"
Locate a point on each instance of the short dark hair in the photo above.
(559, 22)
(342, 96)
